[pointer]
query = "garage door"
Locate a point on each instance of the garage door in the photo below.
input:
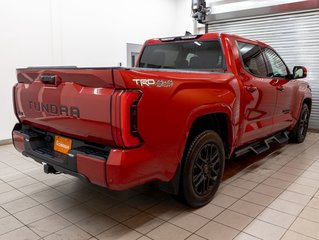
(294, 36)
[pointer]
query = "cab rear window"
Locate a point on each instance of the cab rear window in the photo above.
(195, 55)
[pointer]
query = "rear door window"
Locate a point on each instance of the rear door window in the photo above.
(252, 59)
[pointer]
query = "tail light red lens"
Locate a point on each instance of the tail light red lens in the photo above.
(14, 102)
(124, 118)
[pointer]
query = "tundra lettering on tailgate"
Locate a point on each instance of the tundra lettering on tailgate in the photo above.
(55, 109)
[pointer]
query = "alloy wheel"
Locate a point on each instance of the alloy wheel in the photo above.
(206, 169)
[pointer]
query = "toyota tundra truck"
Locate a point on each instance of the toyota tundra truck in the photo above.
(190, 103)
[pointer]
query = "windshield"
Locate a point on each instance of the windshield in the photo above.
(195, 55)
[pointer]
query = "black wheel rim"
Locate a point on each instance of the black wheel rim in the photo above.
(303, 124)
(206, 169)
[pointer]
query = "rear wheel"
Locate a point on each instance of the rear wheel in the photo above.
(203, 169)
(299, 133)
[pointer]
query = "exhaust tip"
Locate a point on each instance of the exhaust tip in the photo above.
(49, 169)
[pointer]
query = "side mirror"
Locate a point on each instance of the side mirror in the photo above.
(299, 72)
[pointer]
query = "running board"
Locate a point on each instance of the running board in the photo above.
(262, 146)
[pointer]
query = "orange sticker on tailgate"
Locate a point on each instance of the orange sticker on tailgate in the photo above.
(62, 145)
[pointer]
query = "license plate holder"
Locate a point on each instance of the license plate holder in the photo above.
(62, 144)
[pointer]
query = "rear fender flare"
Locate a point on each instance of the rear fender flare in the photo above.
(201, 111)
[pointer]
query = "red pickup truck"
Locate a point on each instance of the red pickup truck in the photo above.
(190, 103)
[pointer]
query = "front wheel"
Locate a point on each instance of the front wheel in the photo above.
(299, 132)
(203, 169)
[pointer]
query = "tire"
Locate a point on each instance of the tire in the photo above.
(203, 169)
(298, 134)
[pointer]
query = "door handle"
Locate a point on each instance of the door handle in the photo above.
(280, 88)
(251, 88)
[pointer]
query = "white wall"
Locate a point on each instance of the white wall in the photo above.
(77, 32)
(25, 39)
(184, 20)
(95, 32)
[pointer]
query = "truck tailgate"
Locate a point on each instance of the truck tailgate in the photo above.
(72, 102)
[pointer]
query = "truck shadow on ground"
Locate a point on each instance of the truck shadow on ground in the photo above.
(146, 205)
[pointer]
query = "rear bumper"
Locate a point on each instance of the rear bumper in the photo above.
(83, 161)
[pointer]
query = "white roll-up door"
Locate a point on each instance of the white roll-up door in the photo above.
(294, 36)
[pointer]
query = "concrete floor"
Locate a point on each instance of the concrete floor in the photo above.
(272, 196)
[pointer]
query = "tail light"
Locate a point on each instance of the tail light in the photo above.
(14, 102)
(124, 118)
